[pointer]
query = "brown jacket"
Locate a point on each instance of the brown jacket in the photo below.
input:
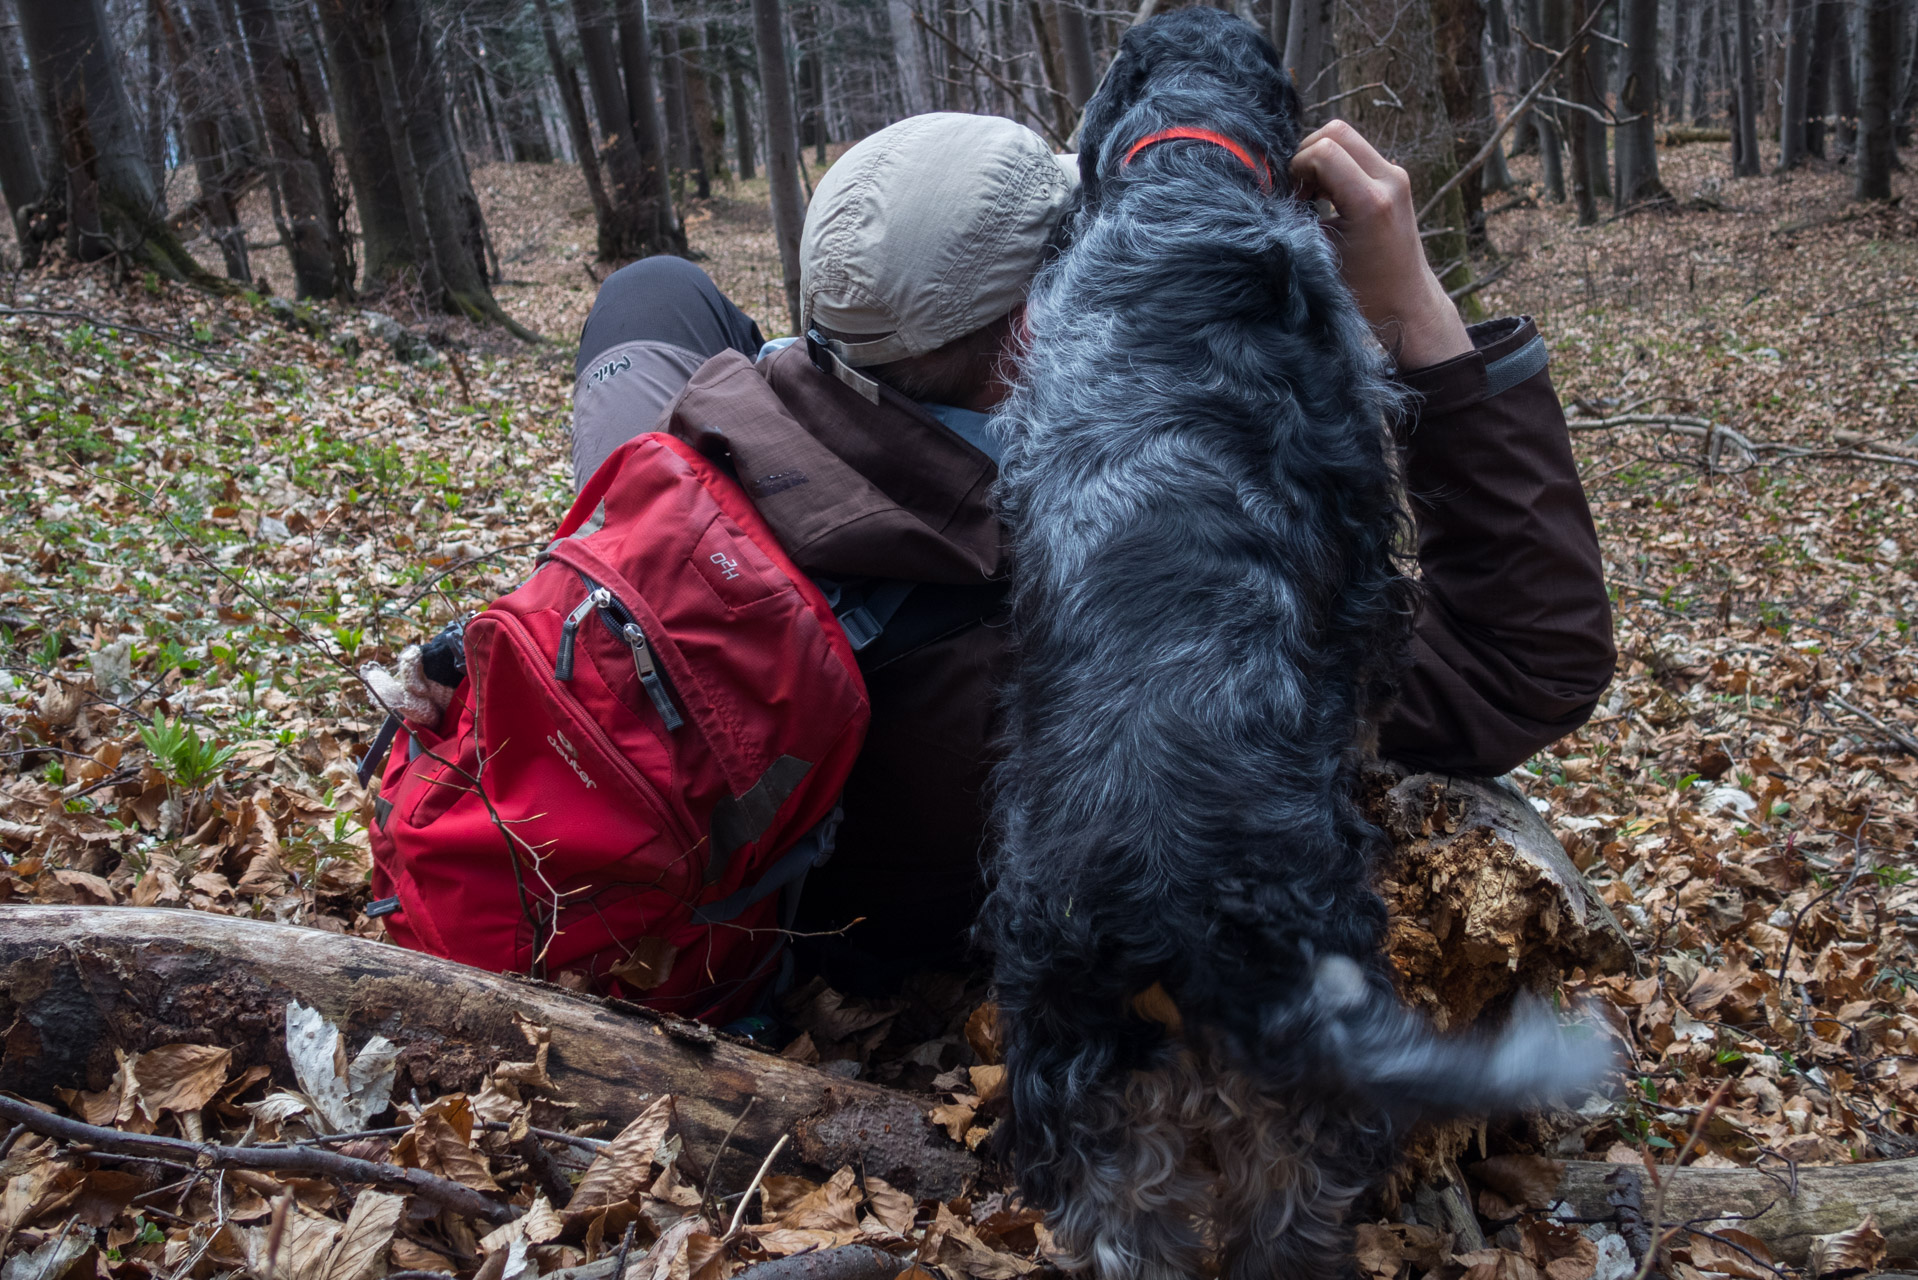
(1512, 648)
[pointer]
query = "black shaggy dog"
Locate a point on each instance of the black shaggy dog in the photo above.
(1204, 1047)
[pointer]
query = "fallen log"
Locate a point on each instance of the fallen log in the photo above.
(1780, 1208)
(78, 982)
(1484, 902)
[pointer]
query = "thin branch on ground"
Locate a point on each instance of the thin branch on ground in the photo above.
(124, 327)
(324, 1164)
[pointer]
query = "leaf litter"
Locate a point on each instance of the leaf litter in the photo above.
(208, 537)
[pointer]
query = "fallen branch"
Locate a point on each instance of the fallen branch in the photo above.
(88, 980)
(1783, 1211)
(1905, 741)
(306, 1160)
(88, 318)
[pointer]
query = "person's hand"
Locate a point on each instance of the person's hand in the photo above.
(1379, 249)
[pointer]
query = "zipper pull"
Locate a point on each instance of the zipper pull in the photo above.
(563, 666)
(649, 676)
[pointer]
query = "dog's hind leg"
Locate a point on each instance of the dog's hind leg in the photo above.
(1131, 1189)
(1287, 1181)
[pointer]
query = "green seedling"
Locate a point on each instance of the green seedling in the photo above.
(187, 759)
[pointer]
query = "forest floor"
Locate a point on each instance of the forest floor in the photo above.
(218, 510)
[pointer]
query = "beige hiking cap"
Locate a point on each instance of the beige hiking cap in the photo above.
(927, 230)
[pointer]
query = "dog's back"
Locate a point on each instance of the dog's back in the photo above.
(1208, 614)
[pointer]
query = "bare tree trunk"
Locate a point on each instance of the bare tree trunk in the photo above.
(1745, 130)
(1045, 25)
(219, 197)
(1844, 89)
(1638, 102)
(605, 220)
(672, 84)
(1075, 52)
(782, 146)
(649, 129)
(1547, 20)
(633, 222)
(1307, 37)
(742, 121)
(1579, 127)
(1883, 28)
(386, 239)
(20, 179)
(909, 56)
(1588, 85)
(1420, 134)
(1458, 29)
(112, 207)
(1792, 108)
(412, 191)
(311, 234)
(1826, 15)
(707, 145)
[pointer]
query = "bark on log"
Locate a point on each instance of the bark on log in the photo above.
(78, 982)
(1828, 1198)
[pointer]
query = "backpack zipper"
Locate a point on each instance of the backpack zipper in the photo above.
(619, 620)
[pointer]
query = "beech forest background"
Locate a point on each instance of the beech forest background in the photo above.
(289, 294)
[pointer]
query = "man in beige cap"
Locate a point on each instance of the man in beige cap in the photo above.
(867, 443)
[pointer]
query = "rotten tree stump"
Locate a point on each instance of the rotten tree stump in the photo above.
(1484, 900)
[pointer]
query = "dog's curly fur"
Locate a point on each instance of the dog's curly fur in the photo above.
(1204, 1048)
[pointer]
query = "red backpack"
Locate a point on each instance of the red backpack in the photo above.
(648, 745)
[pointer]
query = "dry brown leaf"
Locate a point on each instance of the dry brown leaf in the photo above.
(1378, 1250)
(363, 1240)
(781, 1191)
(1847, 1252)
(982, 1032)
(832, 1207)
(892, 1207)
(986, 1081)
(178, 1077)
(532, 1074)
(536, 1226)
(623, 1165)
(434, 1145)
(954, 1117)
(1528, 1180)
(648, 964)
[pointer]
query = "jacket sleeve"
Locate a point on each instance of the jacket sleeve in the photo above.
(1512, 645)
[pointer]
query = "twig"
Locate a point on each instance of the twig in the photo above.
(1661, 1237)
(455, 567)
(1905, 741)
(625, 1247)
(1605, 118)
(326, 1164)
(1512, 117)
(739, 1213)
(1323, 103)
(712, 1166)
(1473, 286)
(13, 1136)
(1007, 89)
(163, 336)
(545, 1170)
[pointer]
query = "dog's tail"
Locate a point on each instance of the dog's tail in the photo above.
(1363, 1038)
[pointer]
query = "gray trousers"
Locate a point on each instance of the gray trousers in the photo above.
(653, 323)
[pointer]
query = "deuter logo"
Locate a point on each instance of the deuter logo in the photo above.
(728, 567)
(570, 755)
